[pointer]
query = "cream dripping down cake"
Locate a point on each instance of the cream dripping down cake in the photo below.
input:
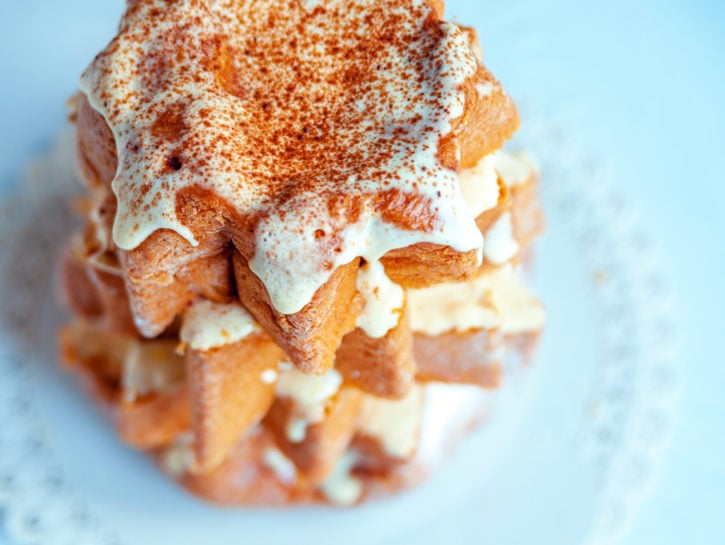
(299, 274)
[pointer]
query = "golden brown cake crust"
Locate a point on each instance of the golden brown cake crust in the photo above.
(383, 367)
(309, 337)
(228, 394)
(472, 357)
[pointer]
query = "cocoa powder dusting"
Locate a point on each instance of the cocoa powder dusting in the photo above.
(328, 114)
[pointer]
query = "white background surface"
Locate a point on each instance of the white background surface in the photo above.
(642, 83)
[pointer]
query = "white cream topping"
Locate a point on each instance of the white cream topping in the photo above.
(209, 325)
(234, 145)
(282, 466)
(384, 300)
(479, 185)
(151, 366)
(515, 167)
(499, 244)
(341, 487)
(393, 422)
(310, 394)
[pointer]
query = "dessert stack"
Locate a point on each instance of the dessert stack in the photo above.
(299, 272)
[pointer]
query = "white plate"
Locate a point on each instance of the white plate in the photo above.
(566, 455)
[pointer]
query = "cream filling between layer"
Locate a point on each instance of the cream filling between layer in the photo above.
(393, 422)
(514, 167)
(341, 487)
(479, 186)
(448, 411)
(520, 310)
(282, 466)
(384, 300)
(210, 325)
(150, 366)
(479, 183)
(99, 259)
(444, 413)
(310, 394)
(495, 299)
(453, 306)
(499, 243)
